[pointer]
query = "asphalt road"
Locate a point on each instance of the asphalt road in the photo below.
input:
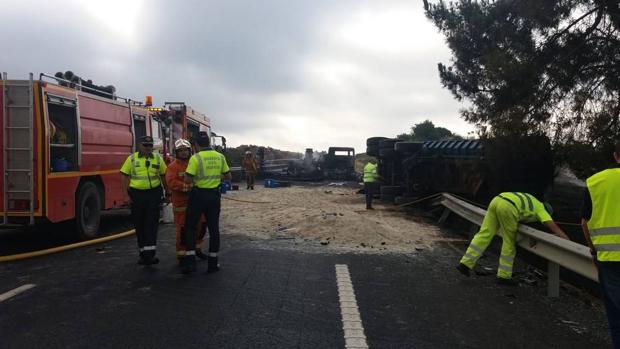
(280, 294)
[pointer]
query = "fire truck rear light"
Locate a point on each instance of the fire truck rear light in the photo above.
(19, 205)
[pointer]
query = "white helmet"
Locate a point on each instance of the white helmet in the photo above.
(248, 152)
(182, 143)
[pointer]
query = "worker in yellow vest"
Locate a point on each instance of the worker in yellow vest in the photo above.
(142, 180)
(601, 227)
(205, 170)
(506, 211)
(370, 181)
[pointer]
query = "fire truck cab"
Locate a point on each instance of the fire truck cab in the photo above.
(182, 121)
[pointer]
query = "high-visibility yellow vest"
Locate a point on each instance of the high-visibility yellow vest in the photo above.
(370, 173)
(144, 173)
(604, 225)
(529, 208)
(207, 168)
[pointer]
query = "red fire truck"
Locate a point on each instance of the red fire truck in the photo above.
(63, 141)
(181, 121)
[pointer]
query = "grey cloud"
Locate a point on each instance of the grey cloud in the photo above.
(246, 64)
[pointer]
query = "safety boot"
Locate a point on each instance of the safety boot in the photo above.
(152, 260)
(201, 255)
(463, 269)
(188, 265)
(212, 265)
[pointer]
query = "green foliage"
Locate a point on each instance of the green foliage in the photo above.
(535, 67)
(426, 131)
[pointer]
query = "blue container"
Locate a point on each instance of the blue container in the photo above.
(226, 186)
(270, 183)
(60, 165)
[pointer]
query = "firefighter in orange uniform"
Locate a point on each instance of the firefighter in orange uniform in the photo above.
(175, 178)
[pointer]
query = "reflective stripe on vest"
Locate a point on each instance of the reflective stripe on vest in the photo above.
(604, 225)
(530, 205)
(154, 181)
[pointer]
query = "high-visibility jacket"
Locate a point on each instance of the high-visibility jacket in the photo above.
(604, 225)
(144, 172)
(370, 173)
(530, 209)
(207, 167)
(175, 180)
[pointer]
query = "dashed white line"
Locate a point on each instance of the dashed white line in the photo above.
(14, 292)
(352, 326)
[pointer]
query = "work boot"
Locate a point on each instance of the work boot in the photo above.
(212, 265)
(370, 208)
(507, 282)
(201, 255)
(463, 269)
(188, 265)
(251, 187)
(152, 260)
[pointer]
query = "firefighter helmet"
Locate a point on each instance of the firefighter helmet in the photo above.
(182, 143)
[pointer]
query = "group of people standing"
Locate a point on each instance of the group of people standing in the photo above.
(193, 182)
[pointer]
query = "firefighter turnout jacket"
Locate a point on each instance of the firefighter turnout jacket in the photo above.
(175, 179)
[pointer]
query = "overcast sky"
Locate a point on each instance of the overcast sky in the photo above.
(287, 74)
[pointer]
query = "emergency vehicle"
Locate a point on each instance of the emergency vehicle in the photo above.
(63, 141)
(182, 121)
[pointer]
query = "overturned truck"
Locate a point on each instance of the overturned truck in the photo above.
(475, 169)
(337, 164)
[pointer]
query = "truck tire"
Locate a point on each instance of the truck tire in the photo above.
(393, 190)
(373, 141)
(87, 211)
(372, 150)
(387, 153)
(388, 143)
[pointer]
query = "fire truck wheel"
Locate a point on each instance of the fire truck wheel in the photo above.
(87, 211)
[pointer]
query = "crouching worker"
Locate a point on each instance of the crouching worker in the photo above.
(205, 171)
(175, 178)
(506, 211)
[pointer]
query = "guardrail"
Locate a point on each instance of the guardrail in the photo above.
(557, 251)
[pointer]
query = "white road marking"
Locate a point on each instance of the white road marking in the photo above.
(352, 326)
(14, 292)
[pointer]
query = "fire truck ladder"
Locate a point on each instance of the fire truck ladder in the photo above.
(18, 143)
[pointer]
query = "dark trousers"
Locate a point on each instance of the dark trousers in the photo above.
(145, 214)
(207, 202)
(370, 189)
(609, 279)
(249, 179)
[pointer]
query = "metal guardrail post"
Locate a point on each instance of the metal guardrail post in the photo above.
(557, 251)
(444, 216)
(553, 279)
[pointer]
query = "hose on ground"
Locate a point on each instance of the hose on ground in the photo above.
(20, 256)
